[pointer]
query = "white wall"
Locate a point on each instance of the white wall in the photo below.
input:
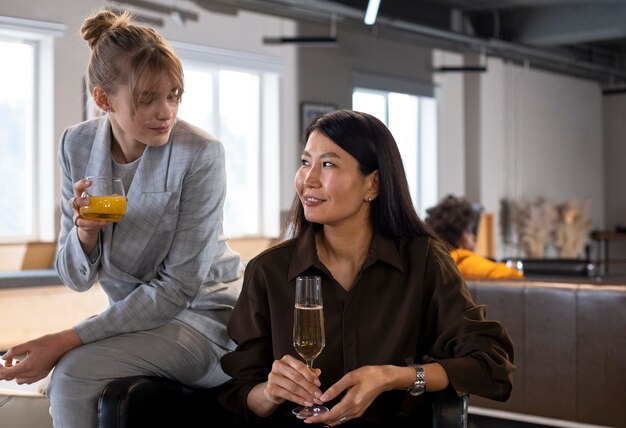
(615, 158)
(615, 172)
(528, 133)
(450, 125)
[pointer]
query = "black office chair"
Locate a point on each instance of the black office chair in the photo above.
(142, 401)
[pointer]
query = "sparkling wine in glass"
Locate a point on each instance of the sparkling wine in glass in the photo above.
(308, 330)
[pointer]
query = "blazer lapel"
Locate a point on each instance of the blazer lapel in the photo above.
(147, 202)
(100, 157)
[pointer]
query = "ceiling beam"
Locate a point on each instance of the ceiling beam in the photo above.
(567, 25)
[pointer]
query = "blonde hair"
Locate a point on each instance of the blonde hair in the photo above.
(123, 52)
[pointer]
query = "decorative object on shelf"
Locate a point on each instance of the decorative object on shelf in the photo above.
(543, 224)
(534, 223)
(573, 225)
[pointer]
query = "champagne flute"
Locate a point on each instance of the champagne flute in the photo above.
(308, 330)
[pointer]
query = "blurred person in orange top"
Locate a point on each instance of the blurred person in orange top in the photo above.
(456, 220)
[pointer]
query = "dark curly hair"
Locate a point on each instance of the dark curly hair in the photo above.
(452, 216)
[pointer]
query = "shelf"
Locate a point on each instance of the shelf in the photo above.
(604, 238)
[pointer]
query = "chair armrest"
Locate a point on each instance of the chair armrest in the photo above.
(151, 401)
(448, 409)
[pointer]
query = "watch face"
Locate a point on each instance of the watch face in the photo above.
(420, 381)
(416, 390)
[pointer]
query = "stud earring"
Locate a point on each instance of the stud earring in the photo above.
(369, 199)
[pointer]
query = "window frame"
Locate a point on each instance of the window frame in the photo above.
(40, 35)
(426, 154)
(270, 71)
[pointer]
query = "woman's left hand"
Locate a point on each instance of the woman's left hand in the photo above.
(362, 386)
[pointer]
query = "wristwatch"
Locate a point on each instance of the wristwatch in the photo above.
(420, 381)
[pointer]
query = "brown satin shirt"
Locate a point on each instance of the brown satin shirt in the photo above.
(408, 303)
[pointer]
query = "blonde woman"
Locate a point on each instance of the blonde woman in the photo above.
(170, 277)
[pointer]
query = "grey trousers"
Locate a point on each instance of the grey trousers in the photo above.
(174, 351)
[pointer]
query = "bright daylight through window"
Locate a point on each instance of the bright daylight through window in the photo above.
(239, 105)
(27, 155)
(412, 121)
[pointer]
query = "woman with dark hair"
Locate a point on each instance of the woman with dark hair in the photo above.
(456, 220)
(399, 319)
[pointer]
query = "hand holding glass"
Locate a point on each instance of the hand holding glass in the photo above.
(308, 330)
(107, 201)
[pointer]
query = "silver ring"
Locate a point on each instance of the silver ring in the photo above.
(76, 217)
(343, 420)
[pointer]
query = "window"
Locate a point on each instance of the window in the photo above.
(27, 155)
(412, 121)
(235, 97)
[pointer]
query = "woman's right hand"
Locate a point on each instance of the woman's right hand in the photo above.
(88, 230)
(41, 355)
(289, 380)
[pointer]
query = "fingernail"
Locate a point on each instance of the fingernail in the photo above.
(323, 397)
(308, 403)
(317, 382)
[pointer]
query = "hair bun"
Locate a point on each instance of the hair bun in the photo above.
(96, 26)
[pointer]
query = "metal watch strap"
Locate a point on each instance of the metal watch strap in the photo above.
(419, 386)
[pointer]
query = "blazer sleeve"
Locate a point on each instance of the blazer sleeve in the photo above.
(76, 269)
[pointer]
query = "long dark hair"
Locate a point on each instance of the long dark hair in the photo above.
(369, 141)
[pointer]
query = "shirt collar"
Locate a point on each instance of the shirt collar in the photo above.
(304, 255)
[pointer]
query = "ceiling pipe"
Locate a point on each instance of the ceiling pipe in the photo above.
(432, 37)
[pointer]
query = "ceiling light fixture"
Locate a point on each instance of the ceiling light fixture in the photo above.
(304, 41)
(308, 41)
(179, 16)
(372, 12)
(461, 69)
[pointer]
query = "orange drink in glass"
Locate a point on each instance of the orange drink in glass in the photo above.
(107, 201)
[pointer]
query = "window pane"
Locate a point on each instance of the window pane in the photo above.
(412, 122)
(16, 140)
(239, 107)
(196, 106)
(403, 115)
(428, 139)
(370, 102)
(227, 104)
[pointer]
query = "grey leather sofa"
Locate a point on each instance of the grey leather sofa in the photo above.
(570, 348)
